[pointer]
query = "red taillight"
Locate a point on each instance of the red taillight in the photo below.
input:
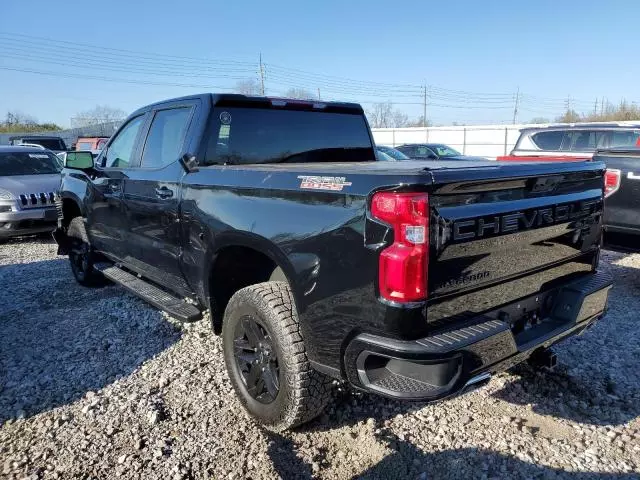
(403, 265)
(611, 181)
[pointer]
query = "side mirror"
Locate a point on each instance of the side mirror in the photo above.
(432, 156)
(78, 160)
(189, 163)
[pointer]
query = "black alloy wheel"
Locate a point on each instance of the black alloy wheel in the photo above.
(79, 259)
(257, 360)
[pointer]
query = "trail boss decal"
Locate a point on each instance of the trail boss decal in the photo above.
(335, 184)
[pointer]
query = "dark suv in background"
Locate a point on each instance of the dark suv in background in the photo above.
(434, 151)
(55, 144)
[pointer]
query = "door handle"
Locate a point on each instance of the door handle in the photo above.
(164, 192)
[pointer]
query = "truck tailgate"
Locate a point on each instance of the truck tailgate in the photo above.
(514, 234)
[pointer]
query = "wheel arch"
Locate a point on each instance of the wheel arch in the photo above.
(238, 260)
(71, 208)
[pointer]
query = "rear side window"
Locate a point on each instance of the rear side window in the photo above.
(264, 135)
(624, 138)
(166, 137)
(548, 140)
(409, 151)
(581, 141)
(51, 144)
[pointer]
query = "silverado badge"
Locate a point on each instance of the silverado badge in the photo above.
(335, 184)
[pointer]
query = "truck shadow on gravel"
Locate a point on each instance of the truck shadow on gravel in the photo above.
(556, 394)
(408, 461)
(59, 340)
(596, 381)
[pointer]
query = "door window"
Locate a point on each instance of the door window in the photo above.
(120, 152)
(166, 137)
(619, 138)
(581, 141)
(548, 140)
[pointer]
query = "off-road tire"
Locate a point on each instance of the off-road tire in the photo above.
(303, 392)
(85, 275)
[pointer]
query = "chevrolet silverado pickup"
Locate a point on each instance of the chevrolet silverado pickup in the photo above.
(318, 263)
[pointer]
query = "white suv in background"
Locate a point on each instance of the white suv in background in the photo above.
(577, 141)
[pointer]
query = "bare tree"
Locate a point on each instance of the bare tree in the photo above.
(249, 86)
(538, 120)
(570, 116)
(399, 119)
(20, 118)
(383, 115)
(299, 93)
(97, 115)
(419, 122)
(22, 123)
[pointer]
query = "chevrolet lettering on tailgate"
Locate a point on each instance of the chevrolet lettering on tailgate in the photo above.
(516, 221)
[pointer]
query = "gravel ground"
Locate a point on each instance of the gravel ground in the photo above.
(96, 384)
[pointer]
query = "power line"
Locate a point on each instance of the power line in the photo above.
(36, 40)
(285, 75)
(113, 79)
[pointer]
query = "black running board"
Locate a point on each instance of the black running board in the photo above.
(157, 297)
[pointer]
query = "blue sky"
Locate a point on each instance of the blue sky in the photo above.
(473, 55)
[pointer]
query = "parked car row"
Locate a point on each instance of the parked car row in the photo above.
(58, 145)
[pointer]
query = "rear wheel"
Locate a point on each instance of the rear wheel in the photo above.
(266, 358)
(81, 256)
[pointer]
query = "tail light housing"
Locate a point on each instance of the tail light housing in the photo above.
(403, 265)
(611, 181)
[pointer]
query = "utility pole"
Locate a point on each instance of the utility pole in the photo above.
(515, 107)
(319, 94)
(602, 107)
(424, 108)
(261, 75)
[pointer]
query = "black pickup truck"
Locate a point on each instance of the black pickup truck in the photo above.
(622, 198)
(317, 262)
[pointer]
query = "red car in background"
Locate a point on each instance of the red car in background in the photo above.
(572, 142)
(91, 143)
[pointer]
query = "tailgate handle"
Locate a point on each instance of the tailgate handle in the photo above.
(633, 176)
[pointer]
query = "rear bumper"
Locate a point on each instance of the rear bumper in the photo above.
(444, 363)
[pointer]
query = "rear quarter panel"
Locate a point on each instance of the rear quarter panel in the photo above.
(316, 237)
